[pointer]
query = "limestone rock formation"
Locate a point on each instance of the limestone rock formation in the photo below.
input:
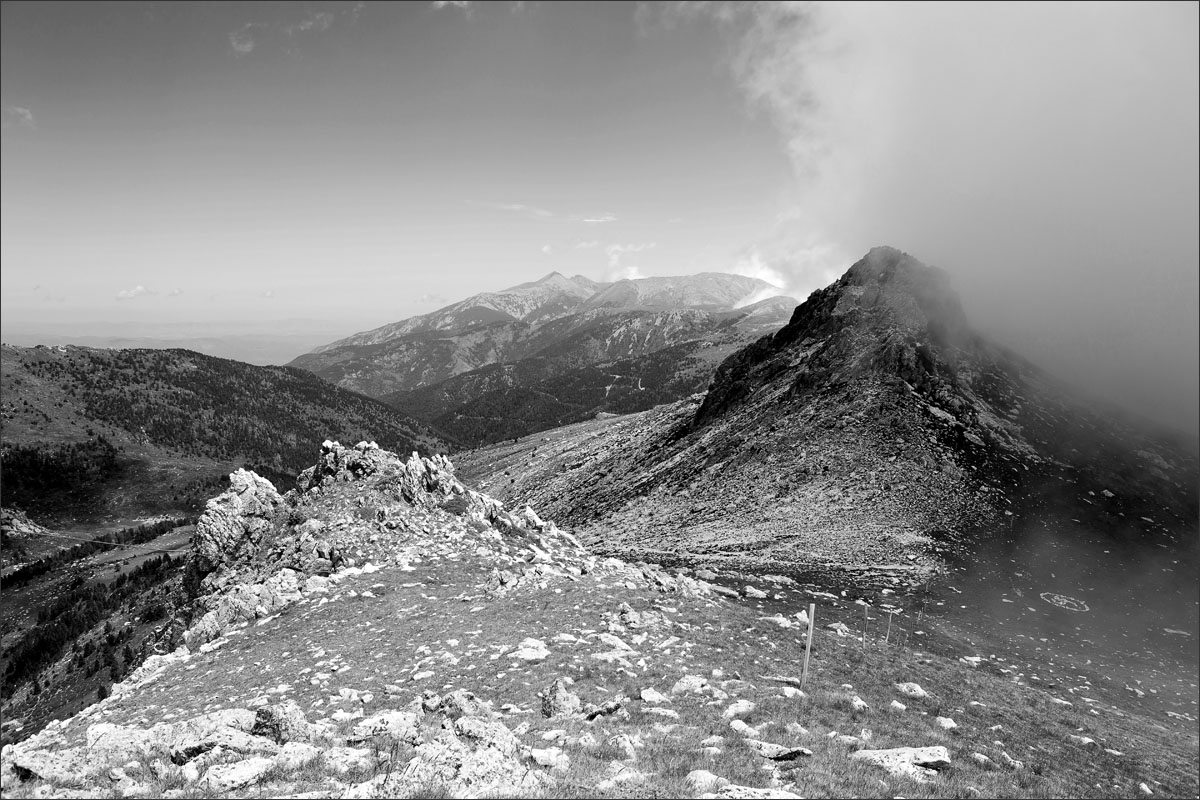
(234, 523)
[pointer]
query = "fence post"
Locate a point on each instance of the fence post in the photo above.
(889, 629)
(812, 614)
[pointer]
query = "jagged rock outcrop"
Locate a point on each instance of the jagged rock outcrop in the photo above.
(234, 524)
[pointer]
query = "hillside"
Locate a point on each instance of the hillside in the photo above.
(873, 429)
(88, 433)
(609, 363)
(568, 323)
(387, 631)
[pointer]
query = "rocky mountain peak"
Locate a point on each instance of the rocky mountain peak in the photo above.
(888, 289)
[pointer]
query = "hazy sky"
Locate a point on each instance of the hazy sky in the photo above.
(361, 163)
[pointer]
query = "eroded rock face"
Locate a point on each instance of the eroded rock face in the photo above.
(234, 523)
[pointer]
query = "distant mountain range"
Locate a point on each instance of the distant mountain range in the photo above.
(501, 364)
(259, 342)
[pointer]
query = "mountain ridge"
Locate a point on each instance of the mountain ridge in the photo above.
(872, 427)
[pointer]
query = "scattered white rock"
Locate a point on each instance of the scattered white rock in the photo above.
(652, 695)
(917, 763)
(704, 781)
(530, 649)
(738, 709)
(946, 723)
(912, 690)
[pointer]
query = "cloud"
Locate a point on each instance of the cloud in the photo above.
(129, 294)
(247, 38)
(521, 208)
(17, 118)
(616, 252)
(175, 292)
(463, 5)
(1068, 227)
(584, 245)
(318, 22)
(431, 299)
(242, 40)
(628, 272)
(547, 249)
(269, 294)
(594, 220)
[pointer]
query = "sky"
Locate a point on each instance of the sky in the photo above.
(233, 164)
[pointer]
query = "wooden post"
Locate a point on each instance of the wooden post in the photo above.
(812, 615)
(889, 630)
(864, 634)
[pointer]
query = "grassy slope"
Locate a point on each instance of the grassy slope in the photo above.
(431, 626)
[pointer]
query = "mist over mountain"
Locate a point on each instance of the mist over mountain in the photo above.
(874, 424)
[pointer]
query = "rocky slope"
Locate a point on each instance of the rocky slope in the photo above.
(873, 428)
(385, 631)
(534, 336)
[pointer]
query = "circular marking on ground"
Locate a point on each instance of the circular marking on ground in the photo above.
(1063, 601)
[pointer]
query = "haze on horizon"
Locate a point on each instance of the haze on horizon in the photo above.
(241, 165)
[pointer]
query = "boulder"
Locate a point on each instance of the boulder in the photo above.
(398, 726)
(739, 708)
(912, 690)
(777, 752)
(735, 792)
(917, 763)
(653, 696)
(558, 701)
(461, 703)
(282, 723)
(704, 781)
(225, 778)
(689, 684)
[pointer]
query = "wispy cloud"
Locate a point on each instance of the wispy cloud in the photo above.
(521, 208)
(247, 38)
(584, 245)
(547, 249)
(129, 294)
(17, 118)
(595, 219)
(616, 252)
(175, 292)
(242, 40)
(431, 299)
(317, 22)
(269, 294)
(466, 6)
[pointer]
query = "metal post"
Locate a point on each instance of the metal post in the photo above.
(812, 614)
